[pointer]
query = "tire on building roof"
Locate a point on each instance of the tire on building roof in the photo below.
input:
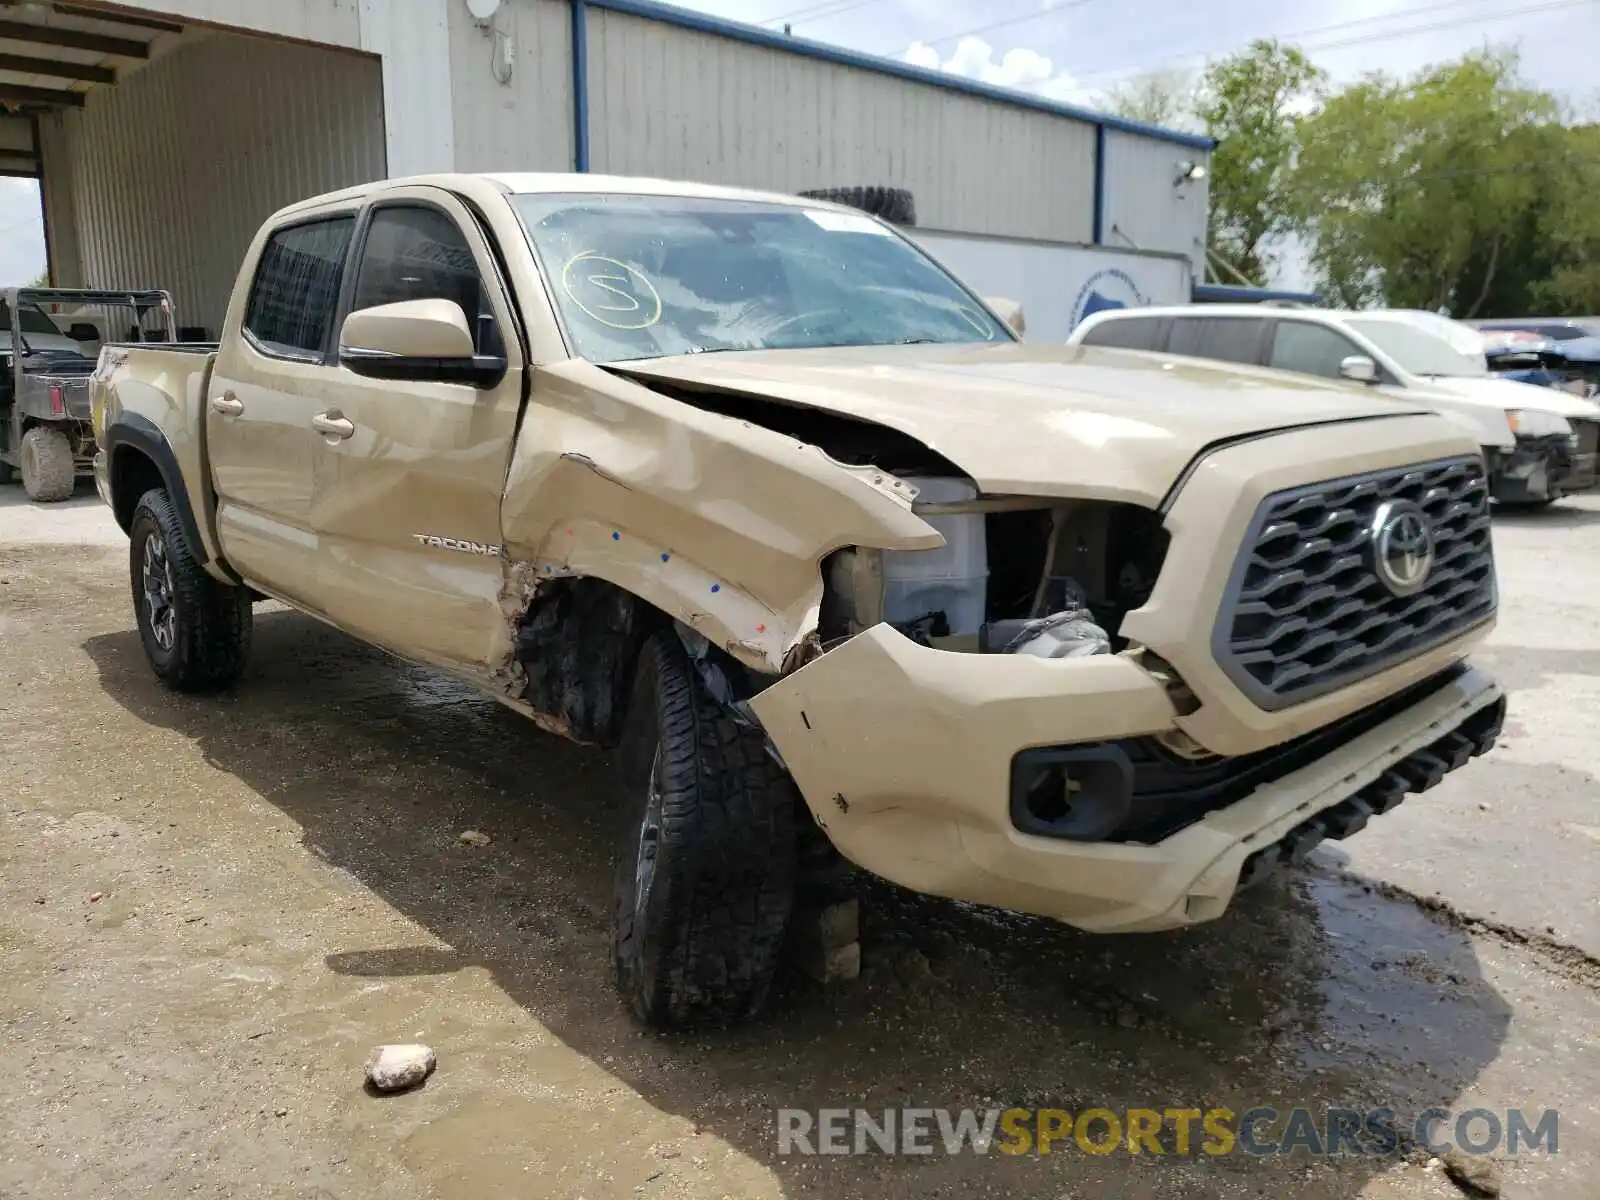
(896, 205)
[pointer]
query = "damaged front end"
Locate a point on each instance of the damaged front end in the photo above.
(1547, 466)
(1016, 575)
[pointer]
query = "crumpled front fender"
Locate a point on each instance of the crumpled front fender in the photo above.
(717, 522)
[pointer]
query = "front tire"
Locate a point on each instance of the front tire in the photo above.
(195, 629)
(705, 876)
(48, 469)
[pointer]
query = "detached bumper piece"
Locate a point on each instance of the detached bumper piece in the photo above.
(1547, 468)
(1417, 772)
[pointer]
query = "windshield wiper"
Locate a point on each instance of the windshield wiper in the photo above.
(916, 342)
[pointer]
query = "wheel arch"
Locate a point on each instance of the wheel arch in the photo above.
(138, 458)
(576, 649)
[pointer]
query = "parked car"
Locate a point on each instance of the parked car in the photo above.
(1555, 329)
(1571, 364)
(752, 490)
(45, 434)
(1539, 445)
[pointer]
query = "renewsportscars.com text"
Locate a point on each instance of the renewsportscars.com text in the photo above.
(1258, 1131)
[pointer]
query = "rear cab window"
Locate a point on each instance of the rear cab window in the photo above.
(295, 293)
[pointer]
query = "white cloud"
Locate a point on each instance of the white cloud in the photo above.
(1021, 68)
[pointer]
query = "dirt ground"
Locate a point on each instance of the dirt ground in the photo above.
(211, 910)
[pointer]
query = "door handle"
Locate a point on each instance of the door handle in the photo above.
(227, 405)
(331, 424)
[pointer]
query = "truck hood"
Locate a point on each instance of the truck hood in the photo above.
(1509, 393)
(1041, 420)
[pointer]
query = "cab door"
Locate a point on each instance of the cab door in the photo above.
(258, 409)
(409, 475)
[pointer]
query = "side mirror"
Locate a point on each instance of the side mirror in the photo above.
(82, 331)
(1358, 367)
(1008, 311)
(426, 341)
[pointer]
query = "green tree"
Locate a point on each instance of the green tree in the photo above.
(1250, 103)
(1165, 98)
(1568, 228)
(1423, 194)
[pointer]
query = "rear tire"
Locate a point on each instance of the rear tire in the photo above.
(705, 875)
(48, 470)
(195, 629)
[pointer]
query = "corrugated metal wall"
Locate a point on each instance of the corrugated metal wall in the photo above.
(666, 101)
(412, 39)
(163, 178)
(524, 124)
(1144, 208)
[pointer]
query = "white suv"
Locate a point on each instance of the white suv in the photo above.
(1540, 443)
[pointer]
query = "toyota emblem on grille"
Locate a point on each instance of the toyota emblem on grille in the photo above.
(1402, 547)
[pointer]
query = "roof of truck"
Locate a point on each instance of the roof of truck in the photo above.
(552, 183)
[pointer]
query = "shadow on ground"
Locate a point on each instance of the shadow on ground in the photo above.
(1560, 515)
(83, 496)
(1312, 992)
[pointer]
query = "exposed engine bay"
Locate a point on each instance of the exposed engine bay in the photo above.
(1018, 575)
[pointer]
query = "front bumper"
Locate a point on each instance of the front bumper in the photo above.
(904, 755)
(1547, 468)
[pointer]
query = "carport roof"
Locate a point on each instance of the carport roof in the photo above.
(53, 53)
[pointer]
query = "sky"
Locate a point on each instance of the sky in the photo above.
(1074, 50)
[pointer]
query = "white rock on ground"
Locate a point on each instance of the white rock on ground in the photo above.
(475, 837)
(394, 1068)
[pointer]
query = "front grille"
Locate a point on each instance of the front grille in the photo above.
(1306, 611)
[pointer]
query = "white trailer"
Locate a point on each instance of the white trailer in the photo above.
(1058, 284)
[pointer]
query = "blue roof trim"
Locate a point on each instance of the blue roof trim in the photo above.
(1228, 293)
(670, 14)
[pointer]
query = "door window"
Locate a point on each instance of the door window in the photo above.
(296, 287)
(1125, 333)
(1228, 339)
(1310, 349)
(417, 253)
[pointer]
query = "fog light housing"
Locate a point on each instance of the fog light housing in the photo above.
(1079, 793)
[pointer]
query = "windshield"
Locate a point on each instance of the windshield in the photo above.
(1424, 344)
(646, 276)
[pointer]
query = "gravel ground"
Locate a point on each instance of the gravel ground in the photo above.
(212, 910)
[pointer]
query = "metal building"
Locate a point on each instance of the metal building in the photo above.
(163, 131)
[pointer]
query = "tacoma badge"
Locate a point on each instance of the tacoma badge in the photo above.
(446, 543)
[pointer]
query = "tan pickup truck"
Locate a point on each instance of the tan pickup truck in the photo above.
(752, 490)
